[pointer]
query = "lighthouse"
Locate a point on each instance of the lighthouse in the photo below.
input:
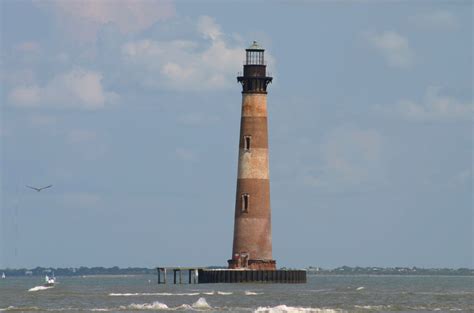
(252, 244)
(252, 259)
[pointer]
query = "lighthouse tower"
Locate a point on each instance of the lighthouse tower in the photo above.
(252, 247)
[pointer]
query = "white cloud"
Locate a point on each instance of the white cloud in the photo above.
(208, 28)
(78, 88)
(186, 64)
(436, 20)
(433, 107)
(394, 47)
(351, 158)
(83, 19)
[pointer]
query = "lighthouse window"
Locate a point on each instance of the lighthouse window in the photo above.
(245, 202)
(247, 143)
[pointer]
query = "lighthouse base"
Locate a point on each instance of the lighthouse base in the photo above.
(266, 265)
(209, 276)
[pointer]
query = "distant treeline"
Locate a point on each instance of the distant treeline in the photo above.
(78, 271)
(347, 270)
(344, 270)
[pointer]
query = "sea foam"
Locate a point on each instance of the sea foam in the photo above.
(209, 293)
(39, 288)
(20, 309)
(201, 303)
(252, 293)
(224, 293)
(148, 306)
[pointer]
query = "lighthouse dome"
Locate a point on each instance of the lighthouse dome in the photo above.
(255, 46)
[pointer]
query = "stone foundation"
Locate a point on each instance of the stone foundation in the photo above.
(264, 265)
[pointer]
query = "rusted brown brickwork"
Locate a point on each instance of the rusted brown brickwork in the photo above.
(252, 247)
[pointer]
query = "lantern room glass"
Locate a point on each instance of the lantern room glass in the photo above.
(255, 57)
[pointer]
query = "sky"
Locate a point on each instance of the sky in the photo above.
(131, 110)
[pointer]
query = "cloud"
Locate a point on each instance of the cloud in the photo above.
(436, 20)
(208, 28)
(78, 88)
(433, 107)
(394, 47)
(185, 64)
(351, 158)
(83, 19)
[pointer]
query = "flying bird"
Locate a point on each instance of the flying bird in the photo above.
(39, 189)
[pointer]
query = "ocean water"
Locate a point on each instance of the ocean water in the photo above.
(320, 294)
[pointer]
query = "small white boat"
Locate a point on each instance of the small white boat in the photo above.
(3, 276)
(49, 281)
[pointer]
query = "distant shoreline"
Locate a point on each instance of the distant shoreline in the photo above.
(340, 271)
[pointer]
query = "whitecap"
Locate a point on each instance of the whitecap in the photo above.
(20, 309)
(251, 293)
(123, 294)
(224, 293)
(39, 288)
(209, 293)
(148, 306)
(372, 307)
(201, 303)
(319, 290)
(185, 307)
(291, 309)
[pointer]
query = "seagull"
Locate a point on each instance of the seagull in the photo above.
(39, 189)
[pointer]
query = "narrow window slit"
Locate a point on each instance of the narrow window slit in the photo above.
(247, 143)
(245, 202)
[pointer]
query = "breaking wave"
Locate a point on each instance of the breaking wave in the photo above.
(20, 309)
(373, 307)
(39, 288)
(252, 293)
(201, 303)
(291, 309)
(147, 306)
(224, 293)
(209, 293)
